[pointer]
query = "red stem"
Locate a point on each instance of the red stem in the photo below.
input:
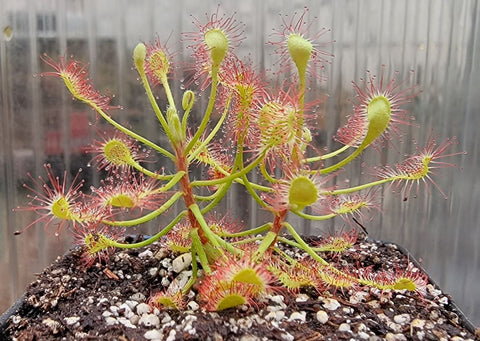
(278, 224)
(182, 165)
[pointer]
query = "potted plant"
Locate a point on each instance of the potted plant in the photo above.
(203, 275)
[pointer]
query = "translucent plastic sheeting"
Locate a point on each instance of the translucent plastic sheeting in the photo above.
(437, 40)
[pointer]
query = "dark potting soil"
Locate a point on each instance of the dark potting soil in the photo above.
(108, 302)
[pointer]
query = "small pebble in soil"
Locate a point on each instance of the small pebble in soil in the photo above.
(418, 323)
(138, 297)
(110, 321)
(153, 335)
(330, 303)
(359, 296)
(434, 315)
(395, 337)
(193, 306)
(249, 338)
(180, 281)
(145, 254)
(149, 320)
(153, 271)
(443, 300)
(171, 336)
(134, 319)
(114, 310)
(278, 299)
(161, 253)
(131, 304)
(363, 336)
(188, 324)
(143, 308)
(165, 282)
(126, 322)
(300, 316)
(322, 316)
(166, 318)
(182, 262)
(53, 325)
(394, 326)
(71, 320)
(275, 315)
(287, 337)
(402, 318)
(274, 308)
(166, 263)
(302, 298)
(107, 313)
(374, 304)
(126, 310)
(433, 291)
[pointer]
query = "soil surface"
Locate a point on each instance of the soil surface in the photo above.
(108, 302)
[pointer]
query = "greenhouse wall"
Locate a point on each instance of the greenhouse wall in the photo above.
(432, 45)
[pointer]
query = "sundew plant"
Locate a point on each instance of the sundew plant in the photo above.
(252, 128)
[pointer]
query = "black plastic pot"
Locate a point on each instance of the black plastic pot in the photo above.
(13, 310)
